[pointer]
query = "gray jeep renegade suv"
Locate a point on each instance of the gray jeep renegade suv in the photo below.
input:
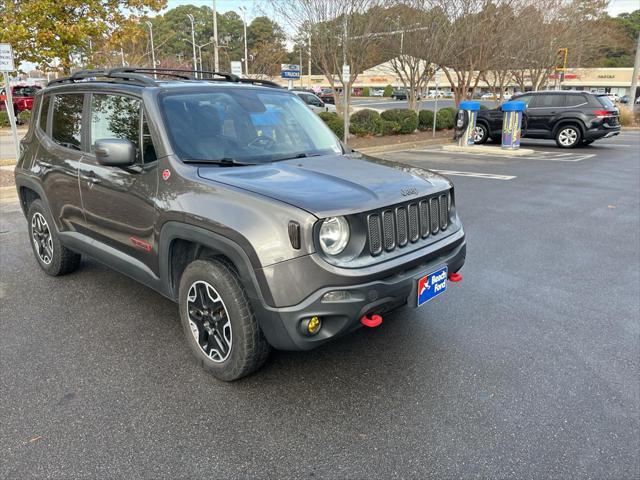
(230, 197)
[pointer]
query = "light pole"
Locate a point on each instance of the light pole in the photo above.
(216, 63)
(193, 43)
(153, 52)
(243, 9)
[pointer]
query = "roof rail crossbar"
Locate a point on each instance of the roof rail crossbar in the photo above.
(143, 76)
(81, 75)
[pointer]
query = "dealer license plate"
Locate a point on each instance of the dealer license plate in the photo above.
(432, 285)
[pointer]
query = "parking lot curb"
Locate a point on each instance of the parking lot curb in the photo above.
(487, 150)
(397, 147)
(5, 162)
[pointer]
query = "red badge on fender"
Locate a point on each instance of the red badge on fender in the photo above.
(166, 173)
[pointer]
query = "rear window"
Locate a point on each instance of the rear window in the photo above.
(44, 113)
(605, 102)
(67, 120)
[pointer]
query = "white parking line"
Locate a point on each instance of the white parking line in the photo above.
(548, 156)
(489, 176)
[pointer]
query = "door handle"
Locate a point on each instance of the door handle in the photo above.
(90, 177)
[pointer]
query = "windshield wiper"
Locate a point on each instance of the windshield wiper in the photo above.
(297, 155)
(225, 161)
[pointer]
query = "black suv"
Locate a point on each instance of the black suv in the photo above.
(230, 197)
(571, 118)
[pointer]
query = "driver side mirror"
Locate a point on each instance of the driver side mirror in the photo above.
(115, 152)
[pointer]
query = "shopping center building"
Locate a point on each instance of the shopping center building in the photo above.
(597, 80)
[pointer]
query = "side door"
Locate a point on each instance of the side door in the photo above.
(58, 157)
(541, 113)
(119, 202)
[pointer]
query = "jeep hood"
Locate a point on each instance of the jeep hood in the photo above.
(332, 184)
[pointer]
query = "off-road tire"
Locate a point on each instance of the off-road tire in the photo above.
(248, 349)
(62, 260)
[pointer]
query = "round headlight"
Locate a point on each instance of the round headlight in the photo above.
(334, 235)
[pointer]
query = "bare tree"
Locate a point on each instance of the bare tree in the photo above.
(415, 28)
(341, 33)
(466, 48)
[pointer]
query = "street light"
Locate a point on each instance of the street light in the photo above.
(243, 9)
(153, 53)
(193, 43)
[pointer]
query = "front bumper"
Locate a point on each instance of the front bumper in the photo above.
(282, 326)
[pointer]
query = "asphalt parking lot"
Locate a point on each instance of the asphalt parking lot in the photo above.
(528, 368)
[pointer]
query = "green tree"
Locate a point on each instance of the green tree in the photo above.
(266, 46)
(47, 32)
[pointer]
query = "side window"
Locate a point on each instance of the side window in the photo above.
(115, 116)
(549, 101)
(574, 100)
(44, 113)
(67, 120)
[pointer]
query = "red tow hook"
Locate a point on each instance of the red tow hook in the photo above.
(455, 277)
(372, 322)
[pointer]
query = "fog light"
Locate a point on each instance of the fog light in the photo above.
(311, 326)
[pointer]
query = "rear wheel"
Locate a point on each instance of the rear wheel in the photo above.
(568, 136)
(481, 134)
(218, 321)
(53, 257)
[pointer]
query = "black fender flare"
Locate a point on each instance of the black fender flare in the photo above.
(24, 181)
(255, 287)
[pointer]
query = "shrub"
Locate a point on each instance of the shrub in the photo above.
(425, 120)
(335, 123)
(388, 127)
(627, 117)
(365, 122)
(366, 92)
(24, 116)
(4, 119)
(445, 119)
(406, 119)
(388, 90)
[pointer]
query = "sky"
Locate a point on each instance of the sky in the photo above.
(261, 7)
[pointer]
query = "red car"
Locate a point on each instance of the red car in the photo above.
(22, 97)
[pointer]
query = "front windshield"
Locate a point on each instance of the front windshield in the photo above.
(244, 125)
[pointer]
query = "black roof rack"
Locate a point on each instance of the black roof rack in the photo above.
(143, 76)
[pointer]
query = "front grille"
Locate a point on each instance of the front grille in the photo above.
(397, 227)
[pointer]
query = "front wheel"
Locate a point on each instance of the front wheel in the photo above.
(218, 321)
(568, 136)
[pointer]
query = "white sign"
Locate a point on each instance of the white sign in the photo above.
(289, 67)
(346, 73)
(236, 68)
(6, 58)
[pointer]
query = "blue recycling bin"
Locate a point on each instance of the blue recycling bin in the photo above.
(470, 109)
(512, 124)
